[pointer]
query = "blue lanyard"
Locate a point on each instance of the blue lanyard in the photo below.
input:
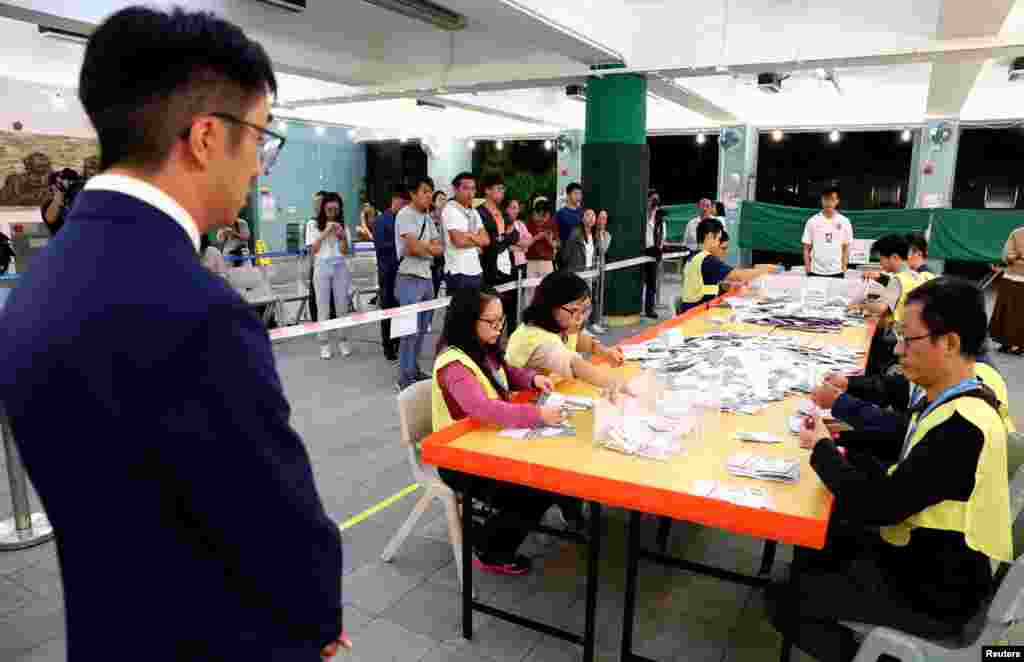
(945, 396)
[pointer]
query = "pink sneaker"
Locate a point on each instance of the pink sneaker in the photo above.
(518, 566)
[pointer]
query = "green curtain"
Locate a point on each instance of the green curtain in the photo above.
(780, 228)
(974, 235)
(678, 216)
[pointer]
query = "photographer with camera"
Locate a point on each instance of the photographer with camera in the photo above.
(65, 185)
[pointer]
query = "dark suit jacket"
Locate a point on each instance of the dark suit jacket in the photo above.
(145, 402)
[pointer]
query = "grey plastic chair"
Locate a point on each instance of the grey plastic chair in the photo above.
(989, 626)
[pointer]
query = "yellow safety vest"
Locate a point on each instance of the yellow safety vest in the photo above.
(694, 288)
(984, 518)
(527, 338)
(991, 378)
(909, 280)
(440, 415)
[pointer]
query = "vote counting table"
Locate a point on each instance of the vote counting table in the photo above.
(795, 514)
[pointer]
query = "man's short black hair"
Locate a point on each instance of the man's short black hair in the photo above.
(147, 73)
(418, 181)
(573, 186)
(708, 226)
(892, 244)
(321, 193)
(461, 176)
(724, 237)
(953, 305)
(918, 242)
(493, 179)
(830, 190)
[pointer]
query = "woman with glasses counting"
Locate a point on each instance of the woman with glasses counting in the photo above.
(472, 379)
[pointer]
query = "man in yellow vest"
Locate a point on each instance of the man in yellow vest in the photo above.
(706, 270)
(893, 251)
(911, 544)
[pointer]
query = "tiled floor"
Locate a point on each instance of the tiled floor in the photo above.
(408, 610)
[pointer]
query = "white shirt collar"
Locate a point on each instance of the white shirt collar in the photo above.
(152, 196)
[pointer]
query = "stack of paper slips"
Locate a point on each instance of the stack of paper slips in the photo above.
(780, 469)
(570, 403)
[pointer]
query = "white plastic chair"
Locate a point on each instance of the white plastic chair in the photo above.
(989, 626)
(414, 417)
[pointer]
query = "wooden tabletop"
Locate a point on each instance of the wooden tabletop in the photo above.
(797, 513)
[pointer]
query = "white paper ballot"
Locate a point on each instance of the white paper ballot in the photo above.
(515, 433)
(403, 325)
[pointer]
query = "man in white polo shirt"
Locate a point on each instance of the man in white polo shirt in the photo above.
(466, 236)
(827, 239)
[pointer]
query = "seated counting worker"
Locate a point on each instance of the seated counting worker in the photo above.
(917, 258)
(472, 379)
(911, 542)
(705, 271)
(893, 251)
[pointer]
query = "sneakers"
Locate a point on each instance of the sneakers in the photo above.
(519, 565)
(325, 352)
(345, 348)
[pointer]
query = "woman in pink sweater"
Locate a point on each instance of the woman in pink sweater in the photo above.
(473, 380)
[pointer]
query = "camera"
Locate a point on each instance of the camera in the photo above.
(68, 182)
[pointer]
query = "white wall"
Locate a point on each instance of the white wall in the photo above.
(39, 109)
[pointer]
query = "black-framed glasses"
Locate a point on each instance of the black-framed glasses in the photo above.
(270, 142)
(497, 325)
(897, 331)
(582, 313)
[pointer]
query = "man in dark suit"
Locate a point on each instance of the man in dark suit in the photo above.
(143, 394)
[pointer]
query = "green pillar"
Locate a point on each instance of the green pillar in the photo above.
(933, 169)
(616, 165)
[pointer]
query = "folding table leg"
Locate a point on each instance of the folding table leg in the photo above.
(467, 564)
(767, 557)
(664, 528)
(632, 563)
(790, 616)
(593, 556)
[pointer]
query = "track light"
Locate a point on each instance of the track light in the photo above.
(701, 138)
(833, 135)
(777, 135)
(62, 35)
(905, 136)
(500, 145)
(547, 145)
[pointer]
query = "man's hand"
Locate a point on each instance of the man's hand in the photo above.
(838, 381)
(542, 383)
(825, 396)
(813, 431)
(552, 415)
(331, 649)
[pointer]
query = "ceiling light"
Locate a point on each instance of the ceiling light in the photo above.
(63, 35)
(352, 133)
(403, 140)
(320, 130)
(500, 145)
(429, 105)
(833, 135)
(777, 135)
(701, 138)
(282, 125)
(471, 144)
(821, 74)
(905, 136)
(423, 10)
(547, 145)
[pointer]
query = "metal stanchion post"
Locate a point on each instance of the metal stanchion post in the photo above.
(519, 296)
(602, 321)
(660, 279)
(25, 529)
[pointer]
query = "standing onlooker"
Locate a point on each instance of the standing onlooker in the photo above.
(366, 217)
(603, 240)
(465, 235)
(417, 245)
(570, 216)
(328, 243)
(654, 243)
(540, 258)
(1007, 326)
(318, 202)
(827, 238)
(234, 241)
(707, 210)
(387, 267)
(171, 364)
(526, 239)
(436, 212)
(496, 259)
(581, 251)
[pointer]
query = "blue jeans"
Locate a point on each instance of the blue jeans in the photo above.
(410, 290)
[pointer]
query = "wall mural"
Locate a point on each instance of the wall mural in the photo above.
(27, 160)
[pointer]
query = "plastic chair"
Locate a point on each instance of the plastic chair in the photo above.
(990, 625)
(414, 416)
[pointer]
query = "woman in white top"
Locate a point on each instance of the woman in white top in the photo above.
(328, 243)
(580, 250)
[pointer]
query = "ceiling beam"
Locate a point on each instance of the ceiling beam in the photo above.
(951, 82)
(487, 110)
(672, 91)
